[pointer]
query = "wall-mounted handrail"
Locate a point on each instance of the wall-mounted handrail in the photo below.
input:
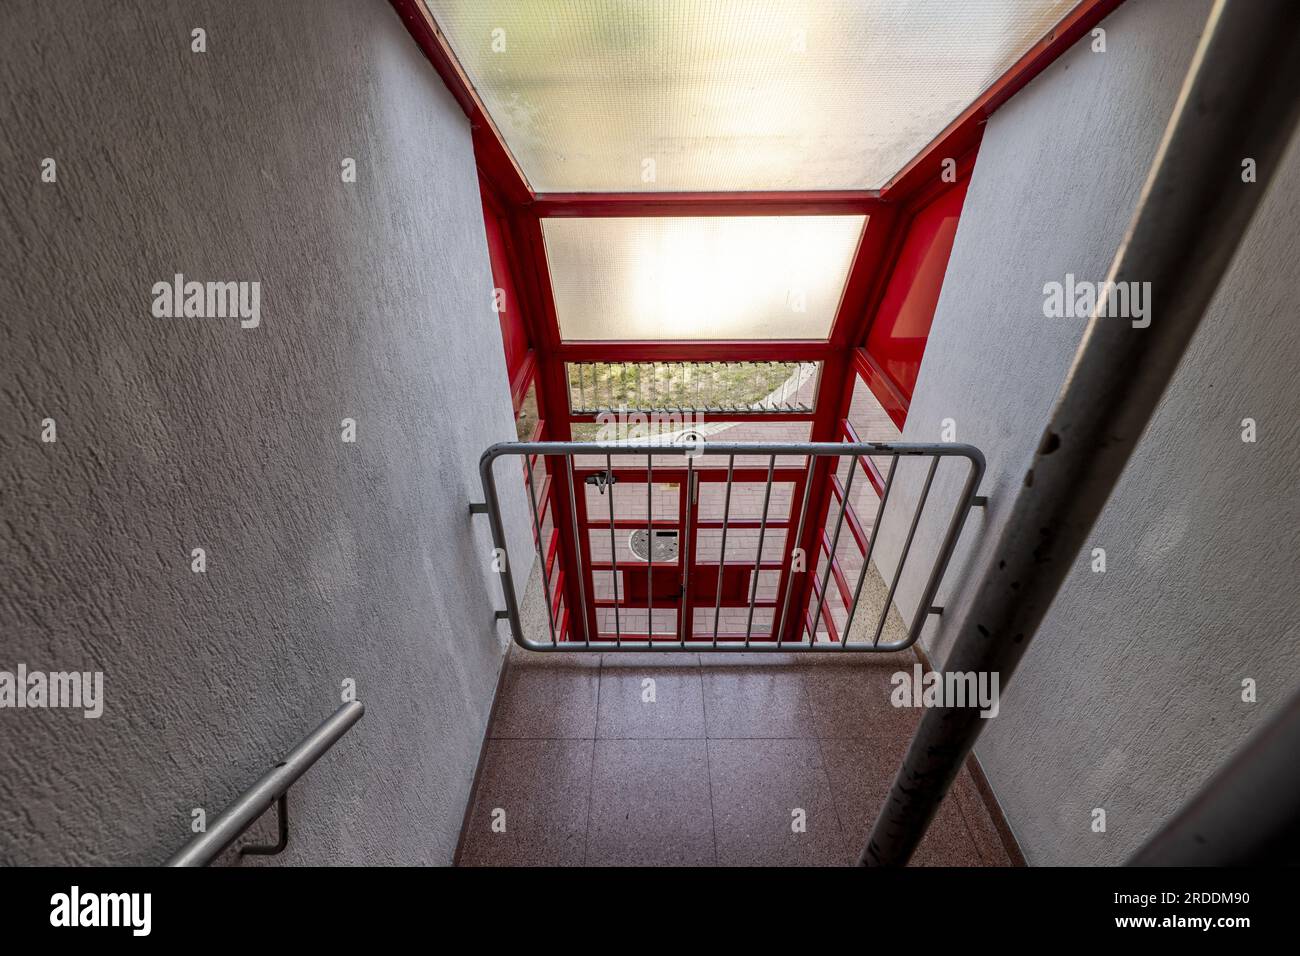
(270, 787)
(686, 637)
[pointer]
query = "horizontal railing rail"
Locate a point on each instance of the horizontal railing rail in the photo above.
(270, 789)
(572, 621)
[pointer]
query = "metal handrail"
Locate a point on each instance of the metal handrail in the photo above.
(730, 451)
(270, 788)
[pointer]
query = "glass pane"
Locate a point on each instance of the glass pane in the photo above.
(739, 277)
(751, 387)
(619, 96)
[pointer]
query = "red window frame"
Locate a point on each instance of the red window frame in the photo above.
(901, 225)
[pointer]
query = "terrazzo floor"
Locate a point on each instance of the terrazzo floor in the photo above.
(734, 752)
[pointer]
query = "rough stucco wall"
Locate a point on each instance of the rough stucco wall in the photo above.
(325, 560)
(1130, 696)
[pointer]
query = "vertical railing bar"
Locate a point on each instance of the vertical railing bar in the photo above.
(940, 565)
(582, 388)
(613, 549)
(577, 544)
(684, 557)
(722, 556)
(649, 547)
(798, 536)
(758, 559)
(907, 547)
(537, 541)
(830, 554)
(871, 546)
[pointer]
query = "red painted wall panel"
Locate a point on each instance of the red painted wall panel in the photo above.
(896, 341)
(513, 335)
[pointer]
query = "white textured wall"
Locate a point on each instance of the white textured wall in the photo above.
(325, 560)
(1130, 696)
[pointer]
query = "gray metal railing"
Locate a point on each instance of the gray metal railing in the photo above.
(270, 789)
(686, 636)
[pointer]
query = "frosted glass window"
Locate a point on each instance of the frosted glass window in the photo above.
(688, 95)
(723, 277)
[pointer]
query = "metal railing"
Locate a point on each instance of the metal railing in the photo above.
(568, 592)
(271, 788)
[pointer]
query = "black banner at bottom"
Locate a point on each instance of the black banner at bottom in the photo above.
(334, 906)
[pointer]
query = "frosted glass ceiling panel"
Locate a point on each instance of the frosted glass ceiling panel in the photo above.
(739, 277)
(691, 95)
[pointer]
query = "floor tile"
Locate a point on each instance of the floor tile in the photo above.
(548, 695)
(756, 701)
(751, 659)
(670, 707)
(757, 784)
(650, 804)
(851, 697)
(861, 772)
(979, 821)
(544, 788)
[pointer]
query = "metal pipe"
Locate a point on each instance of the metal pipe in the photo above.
(1239, 100)
(871, 547)
(537, 542)
(685, 617)
(831, 553)
(722, 556)
(257, 799)
(649, 547)
(613, 548)
(1248, 814)
(907, 549)
(577, 550)
(798, 536)
(758, 558)
(974, 475)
